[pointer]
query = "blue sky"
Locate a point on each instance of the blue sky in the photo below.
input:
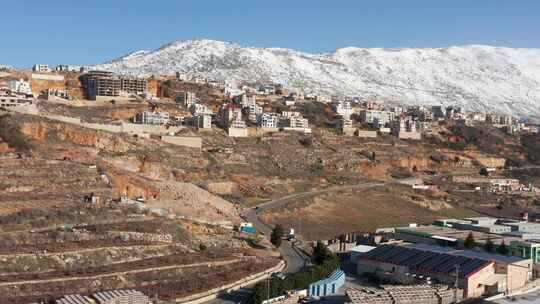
(87, 32)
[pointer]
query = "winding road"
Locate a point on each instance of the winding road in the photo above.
(294, 258)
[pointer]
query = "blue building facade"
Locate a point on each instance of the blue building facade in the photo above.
(328, 286)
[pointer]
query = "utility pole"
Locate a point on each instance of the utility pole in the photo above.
(456, 283)
(268, 287)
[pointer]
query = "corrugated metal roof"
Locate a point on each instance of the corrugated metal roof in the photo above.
(430, 261)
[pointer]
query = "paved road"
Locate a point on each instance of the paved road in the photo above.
(294, 258)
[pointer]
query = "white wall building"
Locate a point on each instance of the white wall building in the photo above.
(203, 121)
(343, 108)
(200, 109)
(152, 118)
(382, 117)
(41, 68)
(20, 86)
(268, 120)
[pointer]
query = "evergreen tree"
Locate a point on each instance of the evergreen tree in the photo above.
(489, 246)
(502, 249)
(277, 234)
(469, 243)
(320, 253)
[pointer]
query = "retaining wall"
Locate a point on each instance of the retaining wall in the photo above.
(184, 141)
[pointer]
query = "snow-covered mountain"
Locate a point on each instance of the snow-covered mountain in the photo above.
(477, 77)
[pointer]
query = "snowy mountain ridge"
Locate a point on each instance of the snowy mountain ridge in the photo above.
(477, 77)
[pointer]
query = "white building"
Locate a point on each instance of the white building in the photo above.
(343, 108)
(67, 68)
(345, 126)
(230, 113)
(41, 68)
(268, 120)
(200, 109)
(253, 109)
(152, 118)
(10, 99)
(20, 86)
(405, 129)
(381, 117)
(203, 121)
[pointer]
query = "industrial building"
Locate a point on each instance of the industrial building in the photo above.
(477, 273)
(397, 294)
(328, 286)
(103, 83)
(120, 296)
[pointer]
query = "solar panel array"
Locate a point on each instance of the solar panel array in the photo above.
(425, 260)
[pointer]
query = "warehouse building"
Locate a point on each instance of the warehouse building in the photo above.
(394, 294)
(328, 286)
(120, 296)
(478, 273)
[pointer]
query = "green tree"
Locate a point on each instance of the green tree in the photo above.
(469, 241)
(484, 172)
(320, 254)
(502, 249)
(277, 234)
(489, 246)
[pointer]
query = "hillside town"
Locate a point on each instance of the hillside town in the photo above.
(448, 260)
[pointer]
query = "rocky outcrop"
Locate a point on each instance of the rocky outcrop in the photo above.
(80, 136)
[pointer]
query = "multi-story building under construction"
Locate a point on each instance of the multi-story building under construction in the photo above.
(103, 83)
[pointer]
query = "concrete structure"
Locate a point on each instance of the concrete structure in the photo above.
(229, 113)
(20, 86)
(343, 108)
(405, 129)
(345, 126)
(186, 99)
(200, 109)
(41, 68)
(366, 134)
(59, 93)
(478, 273)
(400, 294)
(268, 120)
(9, 99)
(184, 141)
(526, 250)
(328, 286)
(67, 68)
(102, 83)
(438, 112)
(48, 77)
(152, 118)
(382, 118)
(119, 296)
(203, 121)
(358, 251)
(293, 120)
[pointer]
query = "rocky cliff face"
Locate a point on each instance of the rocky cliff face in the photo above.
(477, 77)
(76, 135)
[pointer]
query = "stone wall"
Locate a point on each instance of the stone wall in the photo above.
(184, 141)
